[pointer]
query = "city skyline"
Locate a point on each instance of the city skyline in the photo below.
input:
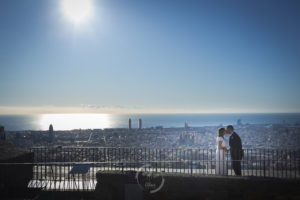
(149, 56)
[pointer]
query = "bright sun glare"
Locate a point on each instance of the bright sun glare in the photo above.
(77, 11)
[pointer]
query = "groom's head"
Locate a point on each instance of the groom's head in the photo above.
(229, 129)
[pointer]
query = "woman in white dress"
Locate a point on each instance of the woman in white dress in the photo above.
(221, 164)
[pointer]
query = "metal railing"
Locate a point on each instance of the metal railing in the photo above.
(52, 166)
(255, 162)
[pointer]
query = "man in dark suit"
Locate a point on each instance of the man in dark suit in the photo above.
(236, 150)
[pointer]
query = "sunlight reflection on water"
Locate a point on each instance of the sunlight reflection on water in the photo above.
(75, 121)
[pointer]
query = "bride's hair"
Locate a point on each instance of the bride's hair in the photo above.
(221, 132)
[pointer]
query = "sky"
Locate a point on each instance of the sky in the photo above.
(150, 56)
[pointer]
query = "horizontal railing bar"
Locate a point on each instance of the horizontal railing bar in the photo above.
(74, 147)
(118, 162)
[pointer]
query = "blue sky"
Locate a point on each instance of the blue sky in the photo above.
(157, 56)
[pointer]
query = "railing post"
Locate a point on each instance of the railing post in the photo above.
(191, 162)
(264, 164)
(298, 161)
(156, 160)
(290, 154)
(295, 164)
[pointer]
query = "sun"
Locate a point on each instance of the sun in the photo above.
(77, 11)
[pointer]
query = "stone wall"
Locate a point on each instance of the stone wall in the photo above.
(113, 185)
(14, 177)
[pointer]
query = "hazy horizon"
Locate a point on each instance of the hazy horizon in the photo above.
(82, 110)
(95, 121)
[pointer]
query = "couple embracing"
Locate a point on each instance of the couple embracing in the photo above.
(236, 151)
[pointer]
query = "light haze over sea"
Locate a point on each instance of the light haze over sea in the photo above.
(96, 121)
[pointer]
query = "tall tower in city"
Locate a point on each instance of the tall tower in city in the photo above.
(140, 123)
(129, 123)
(186, 125)
(51, 136)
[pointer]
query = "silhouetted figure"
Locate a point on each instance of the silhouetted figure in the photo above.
(2, 133)
(236, 150)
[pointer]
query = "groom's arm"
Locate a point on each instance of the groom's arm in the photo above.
(234, 142)
(239, 146)
(230, 142)
(239, 142)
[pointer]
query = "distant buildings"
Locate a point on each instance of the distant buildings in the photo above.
(253, 136)
(239, 122)
(187, 138)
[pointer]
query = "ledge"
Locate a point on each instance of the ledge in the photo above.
(115, 185)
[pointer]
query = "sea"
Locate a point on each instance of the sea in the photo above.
(102, 121)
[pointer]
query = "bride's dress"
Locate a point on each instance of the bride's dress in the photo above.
(221, 164)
